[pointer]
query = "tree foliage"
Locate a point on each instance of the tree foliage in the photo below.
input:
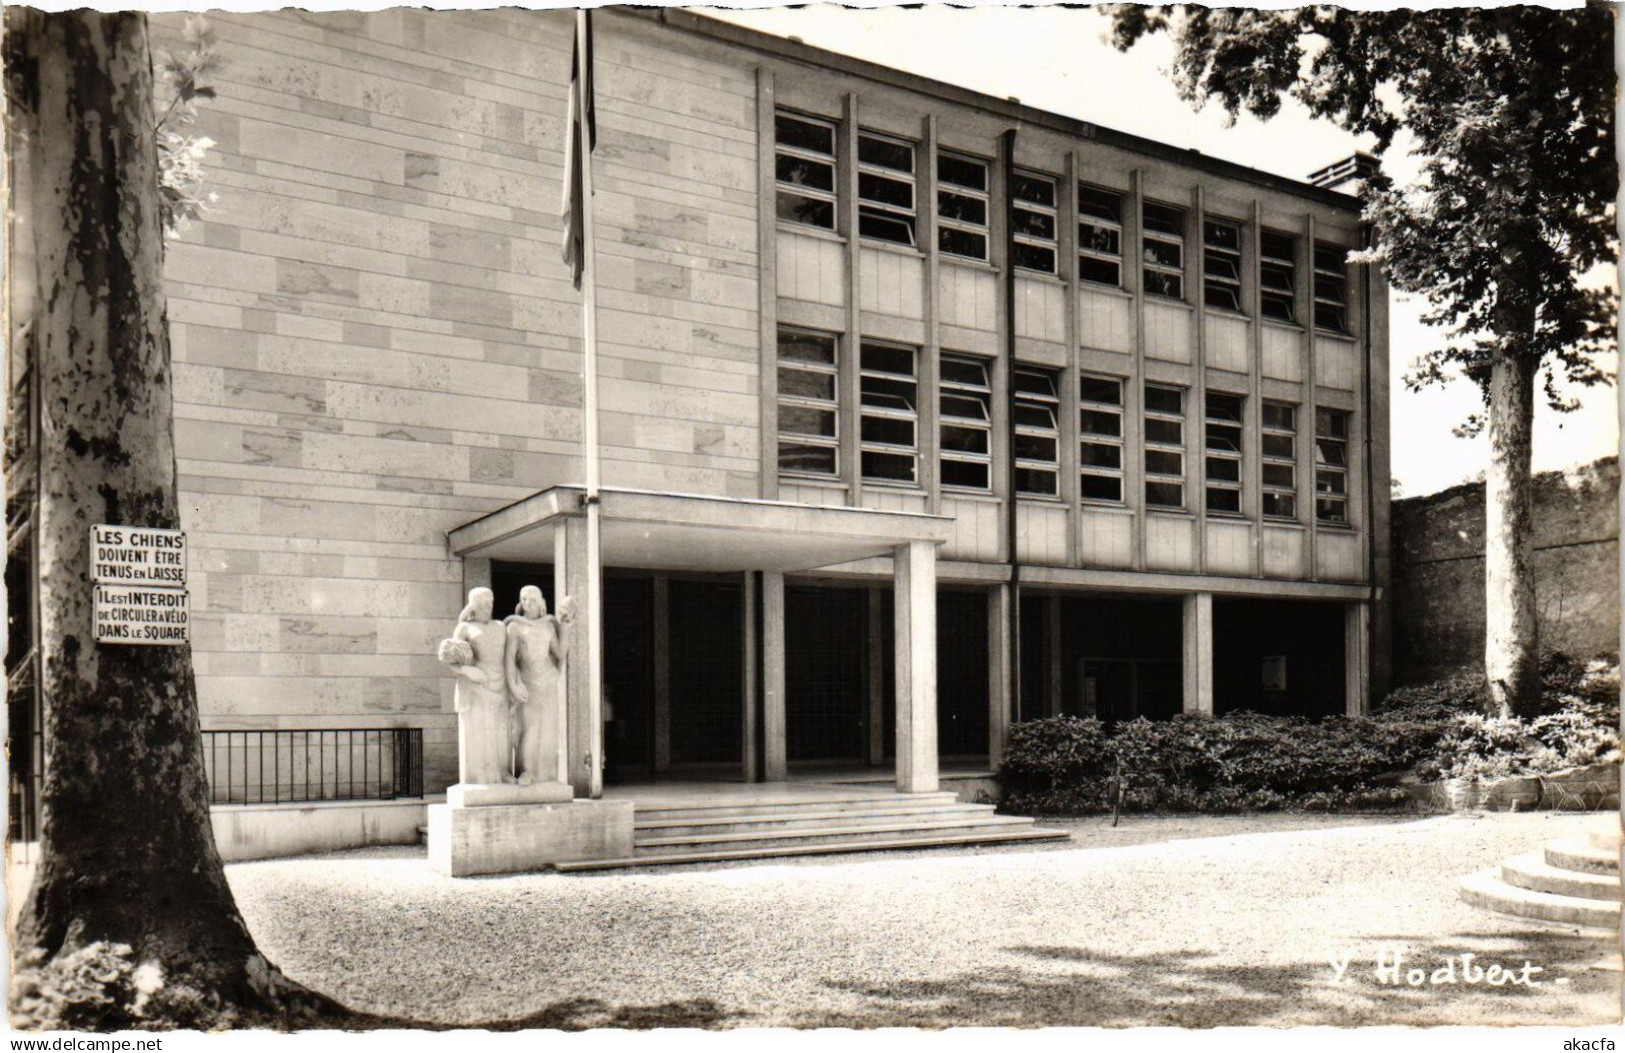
(180, 154)
(1511, 112)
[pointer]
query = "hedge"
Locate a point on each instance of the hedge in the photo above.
(1253, 762)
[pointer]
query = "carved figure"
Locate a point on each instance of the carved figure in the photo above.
(536, 647)
(476, 652)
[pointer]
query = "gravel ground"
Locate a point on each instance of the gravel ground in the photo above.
(1183, 921)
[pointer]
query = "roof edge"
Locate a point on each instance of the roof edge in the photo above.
(731, 33)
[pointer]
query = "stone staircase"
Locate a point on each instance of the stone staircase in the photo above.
(1574, 881)
(666, 833)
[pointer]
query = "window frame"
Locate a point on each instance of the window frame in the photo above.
(1338, 304)
(1147, 266)
(867, 411)
(1018, 204)
(1329, 469)
(1238, 284)
(959, 389)
(984, 195)
(833, 405)
(1268, 293)
(1238, 486)
(1267, 459)
(1018, 397)
(882, 210)
(802, 190)
(1088, 438)
(1095, 220)
(1149, 445)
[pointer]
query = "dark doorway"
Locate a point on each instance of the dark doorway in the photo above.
(1122, 657)
(962, 686)
(628, 657)
(825, 674)
(1283, 657)
(707, 653)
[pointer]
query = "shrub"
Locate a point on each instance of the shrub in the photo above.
(1253, 762)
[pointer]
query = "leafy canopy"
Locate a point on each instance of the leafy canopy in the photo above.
(1510, 111)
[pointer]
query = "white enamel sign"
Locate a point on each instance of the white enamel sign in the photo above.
(125, 555)
(140, 614)
(140, 583)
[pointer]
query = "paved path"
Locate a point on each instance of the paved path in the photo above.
(1192, 931)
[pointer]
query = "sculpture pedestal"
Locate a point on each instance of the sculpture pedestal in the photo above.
(513, 838)
(481, 794)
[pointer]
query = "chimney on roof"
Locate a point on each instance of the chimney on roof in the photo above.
(1348, 175)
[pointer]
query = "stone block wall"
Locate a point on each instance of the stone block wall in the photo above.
(1439, 572)
(375, 339)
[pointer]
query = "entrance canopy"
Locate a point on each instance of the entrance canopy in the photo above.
(660, 531)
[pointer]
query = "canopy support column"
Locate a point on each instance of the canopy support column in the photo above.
(915, 579)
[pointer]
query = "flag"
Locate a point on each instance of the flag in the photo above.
(575, 158)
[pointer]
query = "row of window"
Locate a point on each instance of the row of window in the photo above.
(887, 211)
(889, 419)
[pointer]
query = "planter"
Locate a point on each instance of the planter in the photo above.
(1514, 794)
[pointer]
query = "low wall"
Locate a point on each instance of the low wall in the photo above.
(1438, 583)
(268, 831)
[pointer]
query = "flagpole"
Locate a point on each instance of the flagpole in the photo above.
(589, 424)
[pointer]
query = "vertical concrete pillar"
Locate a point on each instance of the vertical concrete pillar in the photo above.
(877, 677)
(1052, 656)
(916, 640)
(998, 673)
(584, 733)
(775, 766)
(750, 758)
(1357, 658)
(661, 602)
(1198, 653)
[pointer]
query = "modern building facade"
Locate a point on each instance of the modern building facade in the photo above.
(893, 375)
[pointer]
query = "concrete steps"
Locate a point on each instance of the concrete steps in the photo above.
(1574, 881)
(810, 824)
(814, 849)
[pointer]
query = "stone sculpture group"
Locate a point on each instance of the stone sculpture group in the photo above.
(509, 699)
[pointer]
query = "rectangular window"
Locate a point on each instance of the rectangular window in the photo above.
(890, 412)
(961, 206)
(1221, 264)
(1036, 406)
(886, 189)
(1223, 456)
(809, 436)
(1331, 287)
(1278, 275)
(1331, 466)
(1163, 250)
(1100, 439)
(966, 403)
(1280, 460)
(1164, 446)
(804, 163)
(1100, 235)
(1033, 221)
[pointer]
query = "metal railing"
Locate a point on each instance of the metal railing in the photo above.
(313, 764)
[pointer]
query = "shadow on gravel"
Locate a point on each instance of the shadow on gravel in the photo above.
(581, 1014)
(1077, 987)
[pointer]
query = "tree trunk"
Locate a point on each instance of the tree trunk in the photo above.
(129, 881)
(1511, 644)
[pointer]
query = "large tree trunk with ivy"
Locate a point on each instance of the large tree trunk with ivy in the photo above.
(1511, 640)
(129, 883)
